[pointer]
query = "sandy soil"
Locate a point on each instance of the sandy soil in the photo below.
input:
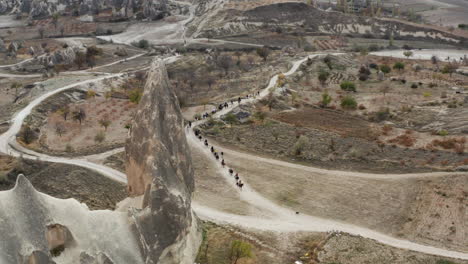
(80, 136)
(211, 189)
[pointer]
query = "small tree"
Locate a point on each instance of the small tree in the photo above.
(270, 100)
(408, 54)
(60, 129)
(435, 60)
(349, 103)
(210, 80)
(238, 54)
(225, 62)
(300, 145)
(231, 119)
(16, 86)
(55, 19)
(143, 44)
(260, 115)
(323, 77)
(239, 249)
(326, 100)
(348, 86)
(385, 89)
(263, 52)
(41, 31)
(135, 96)
(100, 137)
(450, 68)
(80, 59)
(105, 122)
(399, 66)
(27, 135)
(79, 115)
(64, 111)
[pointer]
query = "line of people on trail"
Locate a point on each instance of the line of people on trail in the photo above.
(220, 156)
(226, 105)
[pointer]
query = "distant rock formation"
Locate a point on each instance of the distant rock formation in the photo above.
(151, 9)
(160, 168)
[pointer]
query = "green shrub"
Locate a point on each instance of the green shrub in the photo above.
(348, 86)
(385, 68)
(135, 96)
(443, 133)
(142, 44)
(326, 100)
(399, 66)
(323, 77)
(259, 115)
(348, 102)
(300, 145)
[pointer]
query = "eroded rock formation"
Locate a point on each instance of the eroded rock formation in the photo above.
(37, 228)
(152, 9)
(160, 168)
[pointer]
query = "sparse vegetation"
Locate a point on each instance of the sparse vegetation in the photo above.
(348, 103)
(100, 137)
(399, 66)
(348, 86)
(239, 250)
(385, 68)
(300, 145)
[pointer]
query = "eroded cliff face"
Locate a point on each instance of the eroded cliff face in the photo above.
(160, 168)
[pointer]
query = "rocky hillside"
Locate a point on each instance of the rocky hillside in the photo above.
(151, 9)
(160, 168)
(302, 20)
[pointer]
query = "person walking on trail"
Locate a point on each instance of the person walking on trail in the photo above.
(206, 142)
(212, 149)
(231, 172)
(222, 163)
(240, 184)
(237, 177)
(222, 154)
(239, 100)
(200, 138)
(190, 123)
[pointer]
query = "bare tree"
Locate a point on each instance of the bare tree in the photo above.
(79, 115)
(60, 129)
(62, 30)
(210, 80)
(80, 59)
(105, 122)
(263, 52)
(41, 31)
(225, 62)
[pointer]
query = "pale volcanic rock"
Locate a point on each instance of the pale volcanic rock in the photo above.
(159, 167)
